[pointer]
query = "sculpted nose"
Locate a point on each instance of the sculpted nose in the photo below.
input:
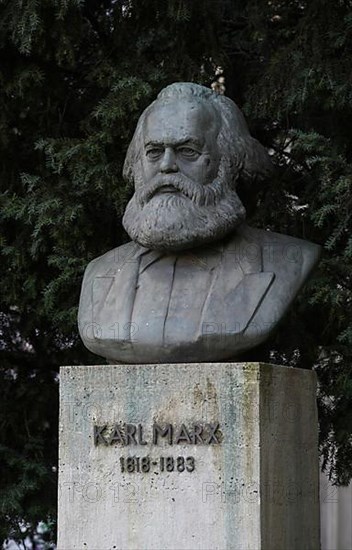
(168, 163)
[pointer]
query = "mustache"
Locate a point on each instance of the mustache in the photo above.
(202, 195)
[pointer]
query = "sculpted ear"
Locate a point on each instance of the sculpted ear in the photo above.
(256, 160)
(132, 156)
(244, 150)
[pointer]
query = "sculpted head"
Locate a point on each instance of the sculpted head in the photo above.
(190, 148)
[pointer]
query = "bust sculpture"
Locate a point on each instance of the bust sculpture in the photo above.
(196, 283)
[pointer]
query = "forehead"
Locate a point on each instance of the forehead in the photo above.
(179, 121)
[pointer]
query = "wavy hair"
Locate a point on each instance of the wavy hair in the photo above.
(241, 155)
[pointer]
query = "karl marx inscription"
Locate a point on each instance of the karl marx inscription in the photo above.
(195, 283)
(135, 434)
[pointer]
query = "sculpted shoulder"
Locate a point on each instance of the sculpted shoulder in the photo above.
(291, 262)
(284, 254)
(100, 269)
(111, 261)
(107, 265)
(289, 258)
(286, 262)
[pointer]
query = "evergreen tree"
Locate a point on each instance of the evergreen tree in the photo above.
(74, 77)
(289, 69)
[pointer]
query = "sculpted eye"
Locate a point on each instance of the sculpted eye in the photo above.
(188, 152)
(154, 153)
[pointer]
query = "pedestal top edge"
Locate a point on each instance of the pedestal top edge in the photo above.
(245, 366)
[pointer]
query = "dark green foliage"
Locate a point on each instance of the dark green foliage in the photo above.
(291, 73)
(74, 77)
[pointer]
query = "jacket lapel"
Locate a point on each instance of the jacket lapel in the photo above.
(113, 297)
(237, 290)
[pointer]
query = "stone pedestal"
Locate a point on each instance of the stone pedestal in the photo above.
(188, 456)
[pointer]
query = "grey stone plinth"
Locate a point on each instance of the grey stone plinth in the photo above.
(188, 456)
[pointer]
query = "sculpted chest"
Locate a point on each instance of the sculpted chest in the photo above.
(193, 306)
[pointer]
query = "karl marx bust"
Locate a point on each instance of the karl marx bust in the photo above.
(195, 283)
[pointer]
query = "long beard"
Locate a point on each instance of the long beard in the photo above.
(193, 215)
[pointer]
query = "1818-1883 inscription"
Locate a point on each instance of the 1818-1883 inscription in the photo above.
(145, 464)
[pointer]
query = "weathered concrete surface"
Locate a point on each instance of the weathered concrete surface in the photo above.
(254, 485)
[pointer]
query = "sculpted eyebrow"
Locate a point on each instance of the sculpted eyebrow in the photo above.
(191, 141)
(154, 143)
(180, 143)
